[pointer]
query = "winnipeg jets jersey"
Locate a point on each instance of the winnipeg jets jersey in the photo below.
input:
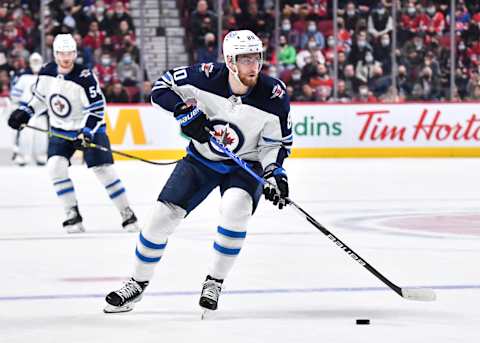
(259, 124)
(22, 87)
(73, 101)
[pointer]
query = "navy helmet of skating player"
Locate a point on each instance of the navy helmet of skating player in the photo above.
(240, 42)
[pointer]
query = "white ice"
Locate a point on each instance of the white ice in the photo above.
(290, 282)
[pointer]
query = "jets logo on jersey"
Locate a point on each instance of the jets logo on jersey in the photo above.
(85, 73)
(207, 68)
(229, 134)
(60, 105)
(277, 92)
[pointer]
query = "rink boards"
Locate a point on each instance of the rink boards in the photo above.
(320, 130)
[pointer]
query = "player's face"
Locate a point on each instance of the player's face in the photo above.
(65, 59)
(248, 68)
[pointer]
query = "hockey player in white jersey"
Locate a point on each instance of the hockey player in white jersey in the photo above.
(250, 113)
(29, 146)
(75, 104)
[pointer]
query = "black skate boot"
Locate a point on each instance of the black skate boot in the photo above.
(125, 298)
(129, 220)
(210, 294)
(73, 224)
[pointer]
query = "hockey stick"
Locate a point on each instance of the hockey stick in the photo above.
(100, 147)
(421, 294)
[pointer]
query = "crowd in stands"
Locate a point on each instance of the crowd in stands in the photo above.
(305, 56)
(104, 32)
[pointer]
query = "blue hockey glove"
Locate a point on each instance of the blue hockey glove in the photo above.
(192, 122)
(19, 117)
(83, 139)
(276, 190)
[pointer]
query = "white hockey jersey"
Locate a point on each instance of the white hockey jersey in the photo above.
(22, 89)
(259, 123)
(73, 101)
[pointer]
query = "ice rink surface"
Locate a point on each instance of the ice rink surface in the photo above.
(416, 220)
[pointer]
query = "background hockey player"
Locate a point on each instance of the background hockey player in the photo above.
(249, 112)
(71, 94)
(29, 146)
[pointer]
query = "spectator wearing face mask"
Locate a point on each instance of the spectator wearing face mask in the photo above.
(351, 17)
(365, 69)
(382, 52)
(312, 32)
(380, 22)
(128, 71)
(359, 48)
(209, 52)
(404, 85)
(106, 70)
(287, 55)
(121, 15)
(427, 86)
(364, 95)
(433, 19)
(291, 34)
(296, 84)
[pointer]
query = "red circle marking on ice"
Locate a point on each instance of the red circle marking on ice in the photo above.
(462, 224)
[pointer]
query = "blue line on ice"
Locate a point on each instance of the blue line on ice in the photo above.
(245, 291)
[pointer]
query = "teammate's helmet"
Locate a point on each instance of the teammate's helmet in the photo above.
(35, 62)
(64, 43)
(241, 42)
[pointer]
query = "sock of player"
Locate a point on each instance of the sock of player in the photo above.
(235, 212)
(152, 241)
(108, 177)
(58, 171)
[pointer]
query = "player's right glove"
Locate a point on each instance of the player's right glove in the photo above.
(192, 122)
(276, 189)
(83, 139)
(19, 117)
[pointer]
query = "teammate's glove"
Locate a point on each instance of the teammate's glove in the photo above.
(276, 189)
(19, 117)
(83, 139)
(192, 122)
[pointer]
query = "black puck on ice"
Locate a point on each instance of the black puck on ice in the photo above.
(362, 321)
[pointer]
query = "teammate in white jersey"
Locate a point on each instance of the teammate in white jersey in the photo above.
(71, 94)
(30, 145)
(250, 113)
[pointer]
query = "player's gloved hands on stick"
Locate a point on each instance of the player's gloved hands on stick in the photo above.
(276, 189)
(192, 122)
(19, 117)
(83, 139)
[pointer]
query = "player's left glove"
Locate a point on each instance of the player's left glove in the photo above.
(19, 117)
(276, 189)
(83, 139)
(192, 122)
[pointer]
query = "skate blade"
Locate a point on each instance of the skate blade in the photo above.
(207, 314)
(118, 309)
(132, 228)
(77, 228)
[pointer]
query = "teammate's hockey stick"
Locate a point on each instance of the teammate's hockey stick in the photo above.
(100, 147)
(421, 294)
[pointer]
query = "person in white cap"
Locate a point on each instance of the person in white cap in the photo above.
(250, 113)
(75, 103)
(29, 146)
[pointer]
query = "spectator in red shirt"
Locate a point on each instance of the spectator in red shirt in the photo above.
(94, 38)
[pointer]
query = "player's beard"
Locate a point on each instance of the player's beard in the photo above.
(248, 80)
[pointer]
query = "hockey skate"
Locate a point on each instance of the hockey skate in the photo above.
(73, 224)
(129, 220)
(210, 294)
(125, 298)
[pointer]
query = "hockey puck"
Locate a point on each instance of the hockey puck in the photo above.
(362, 321)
